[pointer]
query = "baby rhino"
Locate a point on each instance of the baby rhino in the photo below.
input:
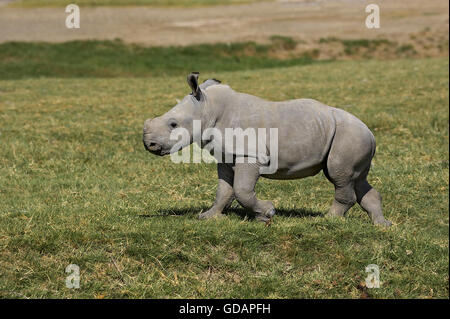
(311, 137)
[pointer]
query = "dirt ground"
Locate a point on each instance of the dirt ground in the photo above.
(303, 20)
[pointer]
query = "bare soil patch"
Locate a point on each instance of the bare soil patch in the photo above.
(305, 20)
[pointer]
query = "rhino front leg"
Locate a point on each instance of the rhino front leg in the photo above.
(245, 177)
(224, 194)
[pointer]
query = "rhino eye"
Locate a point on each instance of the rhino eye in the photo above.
(173, 124)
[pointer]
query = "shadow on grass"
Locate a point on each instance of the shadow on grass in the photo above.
(243, 213)
(297, 213)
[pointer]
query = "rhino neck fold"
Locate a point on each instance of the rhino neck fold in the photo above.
(216, 99)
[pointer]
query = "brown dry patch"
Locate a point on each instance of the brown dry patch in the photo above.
(423, 44)
(306, 20)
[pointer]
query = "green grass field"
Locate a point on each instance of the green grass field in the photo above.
(77, 187)
(117, 59)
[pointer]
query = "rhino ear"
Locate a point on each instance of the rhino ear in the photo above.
(192, 80)
(209, 82)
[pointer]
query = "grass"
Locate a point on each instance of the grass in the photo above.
(76, 186)
(115, 58)
(102, 59)
(353, 46)
(97, 3)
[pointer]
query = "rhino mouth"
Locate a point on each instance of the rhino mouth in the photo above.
(155, 148)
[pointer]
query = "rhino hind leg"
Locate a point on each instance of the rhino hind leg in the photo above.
(347, 166)
(344, 199)
(370, 200)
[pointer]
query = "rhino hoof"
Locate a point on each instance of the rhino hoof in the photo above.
(266, 218)
(210, 214)
(383, 222)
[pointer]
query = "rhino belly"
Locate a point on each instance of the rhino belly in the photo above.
(286, 174)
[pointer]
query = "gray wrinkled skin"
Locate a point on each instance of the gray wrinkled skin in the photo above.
(311, 137)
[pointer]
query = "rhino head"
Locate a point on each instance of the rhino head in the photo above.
(156, 134)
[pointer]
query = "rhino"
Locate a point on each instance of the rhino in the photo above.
(312, 137)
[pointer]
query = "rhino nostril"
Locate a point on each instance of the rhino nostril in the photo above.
(152, 146)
